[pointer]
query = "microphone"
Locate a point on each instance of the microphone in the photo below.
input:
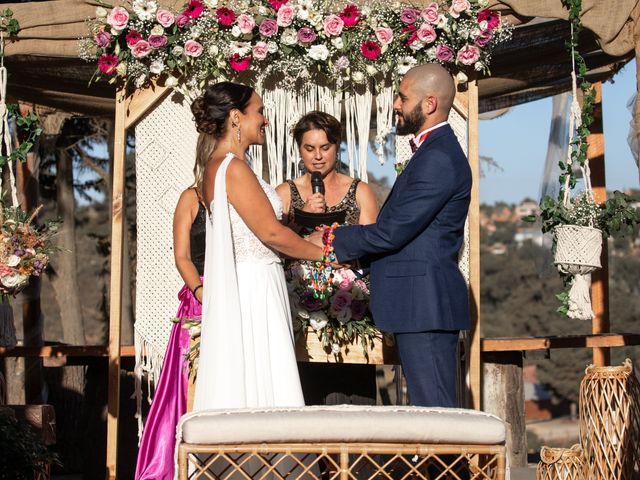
(317, 185)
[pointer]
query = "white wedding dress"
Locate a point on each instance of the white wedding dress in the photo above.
(247, 356)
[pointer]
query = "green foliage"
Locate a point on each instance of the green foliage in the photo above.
(22, 455)
(29, 130)
(8, 23)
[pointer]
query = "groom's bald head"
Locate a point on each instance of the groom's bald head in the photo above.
(425, 98)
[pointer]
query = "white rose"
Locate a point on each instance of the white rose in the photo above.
(318, 52)
(121, 69)
(272, 47)
(338, 42)
(461, 78)
(157, 66)
(483, 3)
(358, 77)
(371, 70)
(157, 30)
(417, 45)
(302, 313)
(315, 18)
(303, 14)
(213, 50)
(289, 37)
(479, 66)
(171, 81)
(101, 12)
(211, 3)
(318, 320)
(14, 280)
(262, 10)
(235, 31)
(177, 50)
(13, 261)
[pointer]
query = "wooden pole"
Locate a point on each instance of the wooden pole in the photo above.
(115, 294)
(475, 371)
(599, 278)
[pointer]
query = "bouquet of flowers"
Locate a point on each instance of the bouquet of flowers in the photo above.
(340, 319)
(288, 38)
(24, 248)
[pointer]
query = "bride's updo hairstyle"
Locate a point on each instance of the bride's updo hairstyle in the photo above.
(211, 109)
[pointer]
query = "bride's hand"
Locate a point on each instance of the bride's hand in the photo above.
(315, 238)
(315, 204)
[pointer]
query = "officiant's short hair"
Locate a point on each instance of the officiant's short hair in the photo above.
(317, 120)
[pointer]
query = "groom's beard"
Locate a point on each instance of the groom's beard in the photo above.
(411, 122)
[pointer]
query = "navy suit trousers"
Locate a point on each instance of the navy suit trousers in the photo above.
(430, 365)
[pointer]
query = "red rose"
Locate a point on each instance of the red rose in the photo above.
(226, 16)
(350, 15)
(412, 36)
(370, 50)
(132, 38)
(107, 63)
(194, 9)
(240, 64)
(276, 4)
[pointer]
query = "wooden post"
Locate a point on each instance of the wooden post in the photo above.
(115, 294)
(503, 395)
(599, 278)
(475, 372)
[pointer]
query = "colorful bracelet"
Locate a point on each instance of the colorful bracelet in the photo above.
(323, 272)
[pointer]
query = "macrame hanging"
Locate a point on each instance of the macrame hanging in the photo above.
(7, 326)
(358, 114)
(384, 120)
(578, 248)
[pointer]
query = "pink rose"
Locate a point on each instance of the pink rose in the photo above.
(286, 14)
(269, 27)
(165, 18)
(118, 18)
(246, 23)
(468, 55)
(409, 16)
(132, 38)
(444, 53)
(238, 63)
(348, 278)
(194, 9)
(4, 270)
(384, 35)
(426, 33)
(341, 300)
(492, 18)
(333, 25)
(306, 35)
(430, 14)
(362, 286)
(102, 39)
(260, 50)
(192, 48)
(182, 20)
(141, 49)
(484, 38)
(458, 7)
(157, 41)
(107, 63)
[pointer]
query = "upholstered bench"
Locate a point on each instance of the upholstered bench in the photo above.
(341, 442)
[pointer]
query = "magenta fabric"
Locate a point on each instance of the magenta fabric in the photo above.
(156, 452)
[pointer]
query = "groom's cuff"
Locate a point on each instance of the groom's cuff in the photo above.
(342, 242)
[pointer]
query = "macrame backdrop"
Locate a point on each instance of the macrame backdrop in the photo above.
(165, 153)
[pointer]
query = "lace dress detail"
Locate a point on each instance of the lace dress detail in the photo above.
(246, 246)
(347, 203)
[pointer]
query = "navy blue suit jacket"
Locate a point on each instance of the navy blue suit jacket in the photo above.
(413, 247)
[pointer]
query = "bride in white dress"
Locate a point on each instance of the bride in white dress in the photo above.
(247, 356)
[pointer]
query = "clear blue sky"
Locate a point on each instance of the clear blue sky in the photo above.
(517, 141)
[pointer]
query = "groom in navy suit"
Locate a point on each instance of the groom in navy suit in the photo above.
(417, 291)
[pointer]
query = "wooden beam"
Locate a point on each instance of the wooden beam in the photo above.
(115, 293)
(57, 351)
(554, 342)
(475, 369)
(599, 278)
(140, 101)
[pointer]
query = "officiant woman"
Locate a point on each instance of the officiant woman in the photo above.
(318, 136)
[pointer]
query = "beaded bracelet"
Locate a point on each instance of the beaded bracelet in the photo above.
(323, 272)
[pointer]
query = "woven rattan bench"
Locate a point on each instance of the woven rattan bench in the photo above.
(341, 442)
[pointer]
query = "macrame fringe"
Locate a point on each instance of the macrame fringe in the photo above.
(579, 298)
(384, 120)
(7, 326)
(149, 360)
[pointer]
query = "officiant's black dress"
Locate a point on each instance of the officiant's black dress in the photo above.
(336, 383)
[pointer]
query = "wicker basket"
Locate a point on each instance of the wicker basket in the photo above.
(561, 464)
(577, 249)
(610, 421)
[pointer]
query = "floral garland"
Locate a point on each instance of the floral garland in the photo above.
(288, 38)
